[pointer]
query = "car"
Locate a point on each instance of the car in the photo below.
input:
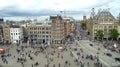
(75, 49)
(109, 54)
(78, 53)
(5, 55)
(117, 59)
(91, 44)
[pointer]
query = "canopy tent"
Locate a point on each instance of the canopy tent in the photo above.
(60, 47)
(115, 45)
(2, 51)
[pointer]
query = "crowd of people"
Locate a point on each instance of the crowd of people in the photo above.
(25, 53)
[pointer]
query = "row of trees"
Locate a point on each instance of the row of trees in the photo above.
(100, 33)
(113, 34)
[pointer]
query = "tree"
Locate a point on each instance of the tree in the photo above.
(99, 34)
(83, 25)
(114, 34)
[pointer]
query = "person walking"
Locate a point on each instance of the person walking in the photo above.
(32, 65)
(88, 63)
(59, 64)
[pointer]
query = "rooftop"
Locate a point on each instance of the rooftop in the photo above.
(104, 13)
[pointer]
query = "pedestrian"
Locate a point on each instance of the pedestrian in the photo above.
(101, 65)
(14, 56)
(88, 63)
(23, 65)
(62, 56)
(69, 63)
(59, 65)
(54, 65)
(32, 65)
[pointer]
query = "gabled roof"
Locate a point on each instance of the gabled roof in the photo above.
(104, 13)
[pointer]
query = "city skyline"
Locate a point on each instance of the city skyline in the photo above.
(9, 8)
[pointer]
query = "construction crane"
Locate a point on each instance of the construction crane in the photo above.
(65, 12)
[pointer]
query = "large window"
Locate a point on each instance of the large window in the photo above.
(110, 27)
(35, 28)
(46, 36)
(47, 32)
(43, 28)
(111, 20)
(43, 32)
(115, 27)
(47, 28)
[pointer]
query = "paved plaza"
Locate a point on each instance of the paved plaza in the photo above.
(56, 58)
(77, 54)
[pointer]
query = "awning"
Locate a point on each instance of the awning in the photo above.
(60, 47)
(2, 51)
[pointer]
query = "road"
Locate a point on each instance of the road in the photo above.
(106, 60)
(84, 44)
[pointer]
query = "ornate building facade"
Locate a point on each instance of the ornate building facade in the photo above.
(103, 20)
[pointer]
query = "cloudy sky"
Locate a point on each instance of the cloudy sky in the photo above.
(76, 8)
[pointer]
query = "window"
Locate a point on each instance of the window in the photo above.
(115, 27)
(43, 28)
(110, 26)
(111, 20)
(105, 30)
(46, 28)
(106, 19)
(43, 32)
(35, 32)
(47, 32)
(39, 28)
(35, 28)
(43, 36)
(35, 35)
(46, 36)
(31, 35)
(31, 32)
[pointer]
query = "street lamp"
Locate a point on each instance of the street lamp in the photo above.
(48, 51)
(98, 55)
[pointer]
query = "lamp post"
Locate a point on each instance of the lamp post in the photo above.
(98, 56)
(48, 51)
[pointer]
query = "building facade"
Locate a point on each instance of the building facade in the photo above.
(68, 23)
(118, 20)
(58, 29)
(1, 30)
(6, 34)
(103, 20)
(39, 32)
(16, 34)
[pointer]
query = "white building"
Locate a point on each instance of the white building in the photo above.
(16, 34)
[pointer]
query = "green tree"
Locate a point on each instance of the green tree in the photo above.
(83, 25)
(114, 33)
(100, 34)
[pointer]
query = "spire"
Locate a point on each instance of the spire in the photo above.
(92, 13)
